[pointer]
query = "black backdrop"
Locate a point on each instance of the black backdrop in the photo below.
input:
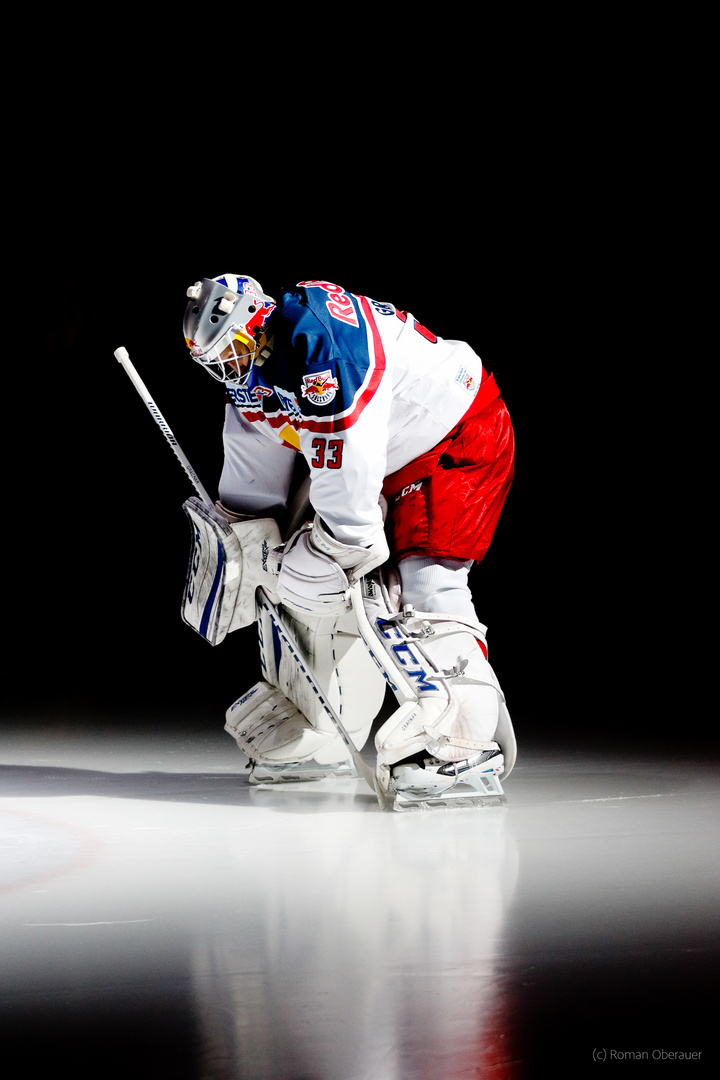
(534, 266)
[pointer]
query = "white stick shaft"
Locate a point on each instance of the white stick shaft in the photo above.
(121, 355)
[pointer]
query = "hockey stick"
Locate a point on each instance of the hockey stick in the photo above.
(361, 765)
(121, 355)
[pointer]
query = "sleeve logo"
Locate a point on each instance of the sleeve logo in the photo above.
(319, 388)
(468, 381)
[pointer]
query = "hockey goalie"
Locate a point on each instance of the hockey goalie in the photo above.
(408, 455)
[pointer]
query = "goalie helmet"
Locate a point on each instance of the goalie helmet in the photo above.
(225, 325)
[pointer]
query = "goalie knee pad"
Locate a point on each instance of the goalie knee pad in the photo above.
(311, 582)
(316, 570)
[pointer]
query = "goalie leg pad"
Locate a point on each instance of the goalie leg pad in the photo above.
(227, 564)
(281, 723)
(270, 729)
(333, 651)
(452, 730)
(458, 695)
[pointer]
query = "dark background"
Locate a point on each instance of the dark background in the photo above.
(537, 243)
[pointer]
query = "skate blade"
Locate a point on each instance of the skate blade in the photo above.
(300, 772)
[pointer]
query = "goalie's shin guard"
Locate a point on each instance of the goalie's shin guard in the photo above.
(452, 735)
(279, 741)
(285, 723)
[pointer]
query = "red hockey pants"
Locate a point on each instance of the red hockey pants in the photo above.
(447, 502)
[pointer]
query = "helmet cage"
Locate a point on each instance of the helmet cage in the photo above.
(221, 367)
(227, 312)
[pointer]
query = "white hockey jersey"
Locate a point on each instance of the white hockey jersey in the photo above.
(355, 385)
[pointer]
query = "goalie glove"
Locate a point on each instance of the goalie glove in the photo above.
(228, 561)
(317, 570)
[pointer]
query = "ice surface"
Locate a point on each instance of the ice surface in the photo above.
(162, 917)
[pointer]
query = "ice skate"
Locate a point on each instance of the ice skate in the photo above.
(292, 772)
(426, 783)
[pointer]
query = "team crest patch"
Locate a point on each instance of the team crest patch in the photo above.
(467, 380)
(319, 388)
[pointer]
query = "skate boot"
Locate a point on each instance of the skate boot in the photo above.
(423, 782)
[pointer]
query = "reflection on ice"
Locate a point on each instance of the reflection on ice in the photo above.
(369, 945)
(159, 914)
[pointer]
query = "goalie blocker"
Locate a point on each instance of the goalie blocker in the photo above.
(228, 561)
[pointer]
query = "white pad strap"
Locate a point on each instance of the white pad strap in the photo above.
(227, 564)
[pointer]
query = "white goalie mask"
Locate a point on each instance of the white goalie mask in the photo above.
(225, 325)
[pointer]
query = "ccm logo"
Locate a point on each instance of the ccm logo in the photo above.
(408, 662)
(408, 488)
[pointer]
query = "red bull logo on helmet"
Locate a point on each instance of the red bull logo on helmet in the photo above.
(319, 388)
(263, 309)
(257, 320)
